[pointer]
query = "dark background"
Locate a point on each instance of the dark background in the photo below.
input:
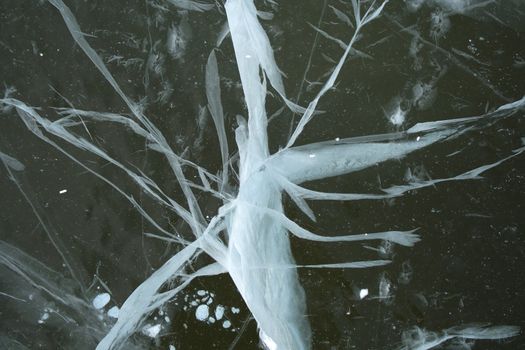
(468, 266)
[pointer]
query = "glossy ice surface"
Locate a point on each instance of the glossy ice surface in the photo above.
(239, 174)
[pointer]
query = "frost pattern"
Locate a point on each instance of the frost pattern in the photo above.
(248, 238)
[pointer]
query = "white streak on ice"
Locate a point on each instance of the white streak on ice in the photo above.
(213, 93)
(192, 5)
(360, 22)
(421, 339)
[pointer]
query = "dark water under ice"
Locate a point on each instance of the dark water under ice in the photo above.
(435, 63)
